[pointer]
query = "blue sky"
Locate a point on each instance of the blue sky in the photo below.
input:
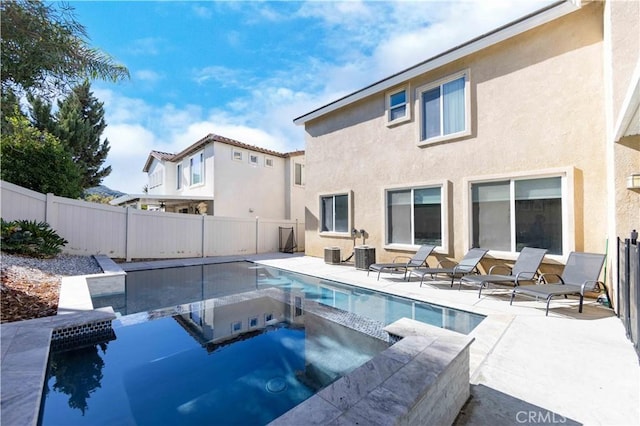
(246, 69)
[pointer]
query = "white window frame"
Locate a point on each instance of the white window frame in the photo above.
(302, 176)
(268, 162)
(200, 156)
(179, 176)
(467, 109)
(237, 155)
(253, 159)
(156, 178)
(444, 214)
(407, 105)
(566, 175)
(349, 195)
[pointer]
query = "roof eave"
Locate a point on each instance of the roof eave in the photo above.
(535, 19)
(157, 197)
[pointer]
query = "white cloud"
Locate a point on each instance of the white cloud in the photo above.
(220, 74)
(130, 146)
(149, 76)
(148, 46)
(202, 11)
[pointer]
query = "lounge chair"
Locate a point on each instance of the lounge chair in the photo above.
(580, 275)
(419, 259)
(468, 265)
(525, 269)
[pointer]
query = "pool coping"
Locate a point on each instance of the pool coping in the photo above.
(25, 345)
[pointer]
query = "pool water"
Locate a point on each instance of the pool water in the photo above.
(232, 343)
(153, 289)
(197, 364)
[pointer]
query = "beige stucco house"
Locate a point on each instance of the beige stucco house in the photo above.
(220, 176)
(525, 136)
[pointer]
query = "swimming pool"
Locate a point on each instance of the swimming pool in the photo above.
(153, 289)
(236, 342)
(239, 359)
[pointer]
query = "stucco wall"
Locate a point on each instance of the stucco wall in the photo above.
(246, 190)
(536, 105)
(624, 41)
(624, 27)
(156, 167)
(203, 189)
(295, 194)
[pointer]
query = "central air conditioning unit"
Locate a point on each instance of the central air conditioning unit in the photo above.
(365, 257)
(332, 255)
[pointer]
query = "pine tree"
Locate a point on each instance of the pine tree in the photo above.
(78, 124)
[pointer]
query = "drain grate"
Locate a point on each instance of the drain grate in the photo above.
(277, 384)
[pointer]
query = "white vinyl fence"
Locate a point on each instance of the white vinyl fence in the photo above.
(128, 233)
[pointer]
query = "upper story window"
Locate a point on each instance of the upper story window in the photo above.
(397, 106)
(268, 162)
(179, 176)
(155, 178)
(510, 214)
(334, 212)
(415, 216)
(299, 174)
(196, 166)
(253, 159)
(445, 109)
(237, 155)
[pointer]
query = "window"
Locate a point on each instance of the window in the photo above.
(299, 174)
(237, 155)
(511, 214)
(253, 159)
(253, 322)
(397, 106)
(414, 216)
(179, 176)
(155, 179)
(298, 306)
(268, 162)
(444, 109)
(195, 314)
(334, 210)
(196, 165)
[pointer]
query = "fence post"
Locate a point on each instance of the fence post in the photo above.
(257, 233)
(627, 287)
(127, 239)
(203, 236)
(298, 248)
(50, 211)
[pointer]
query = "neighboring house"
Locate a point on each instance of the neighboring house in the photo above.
(223, 177)
(527, 135)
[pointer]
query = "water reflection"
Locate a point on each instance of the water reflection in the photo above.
(153, 289)
(77, 373)
(246, 358)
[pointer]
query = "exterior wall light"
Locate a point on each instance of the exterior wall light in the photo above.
(633, 181)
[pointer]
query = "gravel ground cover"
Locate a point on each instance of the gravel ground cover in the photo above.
(31, 287)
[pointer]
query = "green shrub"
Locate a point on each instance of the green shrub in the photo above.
(30, 238)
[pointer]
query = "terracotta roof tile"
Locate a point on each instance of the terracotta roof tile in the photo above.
(165, 156)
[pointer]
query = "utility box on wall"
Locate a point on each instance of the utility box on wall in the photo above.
(365, 256)
(332, 255)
